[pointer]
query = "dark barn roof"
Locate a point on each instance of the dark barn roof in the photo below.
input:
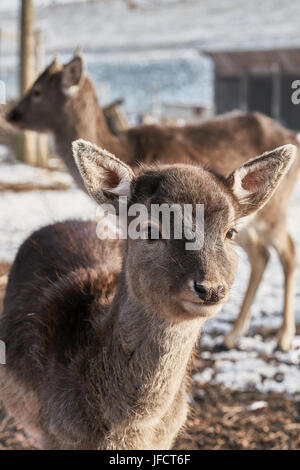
(260, 61)
(258, 80)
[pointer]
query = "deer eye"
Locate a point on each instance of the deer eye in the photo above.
(36, 93)
(231, 234)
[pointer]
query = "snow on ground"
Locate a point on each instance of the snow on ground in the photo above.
(256, 365)
(25, 174)
(22, 213)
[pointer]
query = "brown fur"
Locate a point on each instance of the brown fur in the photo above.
(220, 144)
(98, 342)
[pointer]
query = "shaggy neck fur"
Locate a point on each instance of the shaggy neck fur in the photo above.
(83, 118)
(145, 361)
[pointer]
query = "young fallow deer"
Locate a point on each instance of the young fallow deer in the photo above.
(99, 338)
(63, 101)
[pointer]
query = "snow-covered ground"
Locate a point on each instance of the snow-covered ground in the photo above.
(26, 174)
(256, 365)
(22, 213)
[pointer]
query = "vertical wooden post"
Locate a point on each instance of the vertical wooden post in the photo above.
(27, 72)
(42, 139)
(27, 46)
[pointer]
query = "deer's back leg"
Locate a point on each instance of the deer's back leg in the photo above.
(258, 255)
(285, 247)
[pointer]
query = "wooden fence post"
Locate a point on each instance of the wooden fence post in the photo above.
(42, 139)
(27, 73)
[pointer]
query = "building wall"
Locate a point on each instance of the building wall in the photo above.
(260, 93)
(227, 94)
(269, 93)
(290, 113)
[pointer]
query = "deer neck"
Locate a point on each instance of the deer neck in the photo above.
(152, 355)
(82, 118)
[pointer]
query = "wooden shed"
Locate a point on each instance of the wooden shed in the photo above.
(258, 80)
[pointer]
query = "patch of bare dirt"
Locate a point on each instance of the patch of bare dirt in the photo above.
(220, 419)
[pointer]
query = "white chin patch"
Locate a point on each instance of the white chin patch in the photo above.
(200, 310)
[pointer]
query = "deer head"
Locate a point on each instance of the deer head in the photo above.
(41, 109)
(161, 274)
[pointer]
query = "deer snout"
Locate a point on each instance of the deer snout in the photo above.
(14, 115)
(208, 293)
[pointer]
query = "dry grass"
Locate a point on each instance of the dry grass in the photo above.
(19, 187)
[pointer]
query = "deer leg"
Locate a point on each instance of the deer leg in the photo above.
(285, 247)
(258, 254)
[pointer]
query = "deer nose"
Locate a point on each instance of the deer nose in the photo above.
(14, 115)
(208, 293)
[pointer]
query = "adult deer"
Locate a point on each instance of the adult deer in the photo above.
(99, 340)
(63, 101)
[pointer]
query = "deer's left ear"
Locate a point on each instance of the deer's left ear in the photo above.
(253, 183)
(72, 74)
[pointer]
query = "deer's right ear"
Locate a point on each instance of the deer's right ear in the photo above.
(254, 183)
(104, 175)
